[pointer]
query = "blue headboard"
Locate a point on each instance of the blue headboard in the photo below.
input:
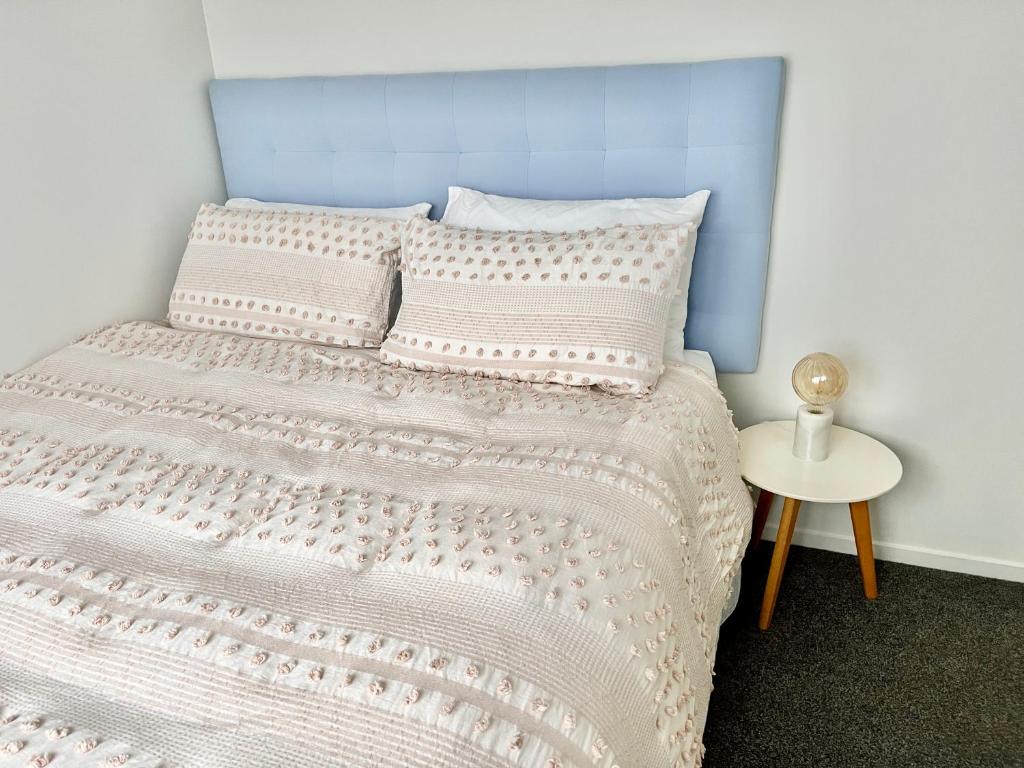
(661, 130)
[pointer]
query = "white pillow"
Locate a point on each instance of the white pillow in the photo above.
(472, 209)
(248, 204)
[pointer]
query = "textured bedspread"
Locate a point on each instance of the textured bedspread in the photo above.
(223, 551)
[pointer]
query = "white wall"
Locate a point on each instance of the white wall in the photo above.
(898, 218)
(108, 149)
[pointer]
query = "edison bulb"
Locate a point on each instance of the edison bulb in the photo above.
(820, 379)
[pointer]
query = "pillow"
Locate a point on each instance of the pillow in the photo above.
(574, 308)
(470, 208)
(407, 212)
(311, 277)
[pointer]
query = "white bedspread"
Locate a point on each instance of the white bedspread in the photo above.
(222, 551)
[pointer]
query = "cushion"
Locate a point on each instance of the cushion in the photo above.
(573, 308)
(471, 208)
(383, 213)
(303, 276)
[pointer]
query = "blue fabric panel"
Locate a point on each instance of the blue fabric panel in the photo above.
(503, 173)
(488, 108)
(647, 106)
(356, 115)
(420, 114)
(661, 130)
(363, 179)
(425, 176)
(565, 109)
(566, 175)
(646, 172)
(729, 101)
(303, 176)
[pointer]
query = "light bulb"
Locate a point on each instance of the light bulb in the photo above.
(820, 379)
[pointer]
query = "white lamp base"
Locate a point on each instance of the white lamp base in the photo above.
(811, 436)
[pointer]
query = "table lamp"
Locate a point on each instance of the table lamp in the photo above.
(819, 379)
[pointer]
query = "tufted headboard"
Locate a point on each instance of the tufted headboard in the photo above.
(660, 130)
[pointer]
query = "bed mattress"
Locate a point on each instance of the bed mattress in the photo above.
(224, 551)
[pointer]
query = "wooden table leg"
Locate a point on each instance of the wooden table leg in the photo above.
(790, 509)
(764, 506)
(865, 554)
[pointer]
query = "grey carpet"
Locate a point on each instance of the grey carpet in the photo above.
(929, 674)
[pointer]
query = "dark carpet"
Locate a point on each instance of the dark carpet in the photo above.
(929, 674)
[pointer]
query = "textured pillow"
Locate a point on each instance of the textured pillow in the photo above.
(471, 208)
(575, 308)
(313, 277)
(407, 212)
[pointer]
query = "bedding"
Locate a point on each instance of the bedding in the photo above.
(405, 212)
(218, 550)
(307, 276)
(702, 360)
(585, 308)
(472, 208)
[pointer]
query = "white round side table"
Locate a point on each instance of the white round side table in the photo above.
(858, 469)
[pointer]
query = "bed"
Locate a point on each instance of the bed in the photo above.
(218, 550)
